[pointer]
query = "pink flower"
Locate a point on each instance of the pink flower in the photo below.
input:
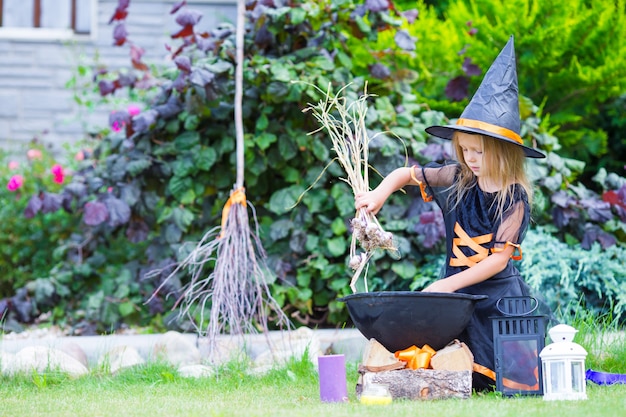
(13, 165)
(59, 175)
(133, 110)
(117, 126)
(15, 182)
(34, 154)
(82, 154)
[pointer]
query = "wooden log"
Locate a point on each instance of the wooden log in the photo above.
(419, 384)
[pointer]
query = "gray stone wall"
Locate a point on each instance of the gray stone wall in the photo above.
(34, 71)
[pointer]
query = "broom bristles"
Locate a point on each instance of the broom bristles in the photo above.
(236, 290)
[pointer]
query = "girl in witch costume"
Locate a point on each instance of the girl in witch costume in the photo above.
(485, 198)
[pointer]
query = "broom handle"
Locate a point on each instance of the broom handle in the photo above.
(239, 44)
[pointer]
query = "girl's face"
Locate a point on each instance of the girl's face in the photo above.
(472, 148)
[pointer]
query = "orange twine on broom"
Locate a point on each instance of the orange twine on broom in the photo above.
(236, 197)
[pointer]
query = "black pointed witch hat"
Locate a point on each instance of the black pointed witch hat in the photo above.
(494, 109)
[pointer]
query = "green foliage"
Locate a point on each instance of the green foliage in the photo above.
(160, 178)
(570, 54)
(48, 264)
(611, 119)
(437, 56)
(568, 276)
(26, 251)
(574, 212)
(151, 183)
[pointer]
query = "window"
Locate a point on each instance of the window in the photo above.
(73, 15)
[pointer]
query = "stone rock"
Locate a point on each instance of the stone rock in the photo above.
(177, 349)
(120, 357)
(5, 359)
(75, 352)
(353, 348)
(292, 344)
(195, 371)
(223, 350)
(42, 359)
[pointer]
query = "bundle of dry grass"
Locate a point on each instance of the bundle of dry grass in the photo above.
(344, 121)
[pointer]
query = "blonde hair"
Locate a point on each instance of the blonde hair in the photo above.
(503, 164)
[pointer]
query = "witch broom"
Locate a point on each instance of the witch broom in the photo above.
(236, 291)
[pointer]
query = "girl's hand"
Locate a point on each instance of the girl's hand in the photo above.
(442, 285)
(370, 201)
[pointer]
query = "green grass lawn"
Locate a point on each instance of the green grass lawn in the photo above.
(156, 390)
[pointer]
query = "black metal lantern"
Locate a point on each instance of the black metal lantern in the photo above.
(518, 338)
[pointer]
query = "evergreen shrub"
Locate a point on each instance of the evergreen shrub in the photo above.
(570, 277)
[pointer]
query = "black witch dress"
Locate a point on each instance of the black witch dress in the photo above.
(474, 230)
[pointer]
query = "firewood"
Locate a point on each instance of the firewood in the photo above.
(419, 384)
(454, 357)
(376, 358)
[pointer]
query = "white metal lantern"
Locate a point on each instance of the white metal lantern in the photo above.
(563, 365)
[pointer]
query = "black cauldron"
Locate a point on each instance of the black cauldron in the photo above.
(400, 319)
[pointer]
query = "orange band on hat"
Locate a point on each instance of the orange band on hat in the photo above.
(502, 131)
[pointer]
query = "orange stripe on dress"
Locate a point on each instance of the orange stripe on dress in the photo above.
(473, 243)
(427, 198)
(508, 383)
(517, 247)
(502, 131)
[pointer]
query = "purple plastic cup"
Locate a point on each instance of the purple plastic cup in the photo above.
(332, 375)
